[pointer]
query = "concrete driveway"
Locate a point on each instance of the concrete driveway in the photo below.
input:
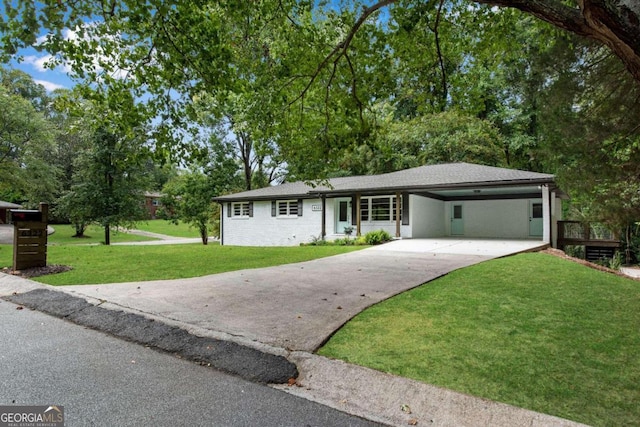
(298, 306)
(6, 233)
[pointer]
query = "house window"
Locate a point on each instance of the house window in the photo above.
(288, 208)
(155, 202)
(364, 210)
(241, 209)
(378, 209)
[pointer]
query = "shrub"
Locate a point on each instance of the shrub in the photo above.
(377, 237)
(344, 242)
(360, 241)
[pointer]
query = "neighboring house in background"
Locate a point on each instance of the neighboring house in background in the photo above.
(152, 201)
(457, 199)
(4, 210)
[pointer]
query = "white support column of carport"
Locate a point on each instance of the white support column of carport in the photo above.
(397, 214)
(546, 214)
(556, 215)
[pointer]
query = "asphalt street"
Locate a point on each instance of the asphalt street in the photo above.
(102, 380)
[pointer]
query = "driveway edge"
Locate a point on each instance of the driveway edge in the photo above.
(230, 357)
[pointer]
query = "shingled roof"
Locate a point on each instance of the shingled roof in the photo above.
(422, 178)
(9, 205)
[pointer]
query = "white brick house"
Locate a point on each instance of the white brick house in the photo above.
(456, 199)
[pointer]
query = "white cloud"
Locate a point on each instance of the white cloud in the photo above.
(37, 62)
(49, 86)
(40, 63)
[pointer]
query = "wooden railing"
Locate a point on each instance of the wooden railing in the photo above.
(585, 234)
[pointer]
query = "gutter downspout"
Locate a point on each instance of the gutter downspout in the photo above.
(324, 216)
(221, 223)
(398, 214)
(358, 224)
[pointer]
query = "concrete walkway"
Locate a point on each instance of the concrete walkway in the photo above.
(162, 239)
(290, 310)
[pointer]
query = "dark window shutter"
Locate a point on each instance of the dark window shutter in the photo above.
(299, 207)
(229, 209)
(405, 209)
(250, 209)
(354, 213)
(273, 208)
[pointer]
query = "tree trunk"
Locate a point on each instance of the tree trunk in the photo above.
(80, 227)
(204, 235)
(627, 249)
(107, 235)
(616, 23)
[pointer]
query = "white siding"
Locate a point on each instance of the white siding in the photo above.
(264, 230)
(426, 217)
(507, 219)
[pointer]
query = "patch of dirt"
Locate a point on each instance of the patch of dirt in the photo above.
(37, 271)
(560, 254)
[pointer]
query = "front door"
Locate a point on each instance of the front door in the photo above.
(343, 215)
(535, 219)
(457, 221)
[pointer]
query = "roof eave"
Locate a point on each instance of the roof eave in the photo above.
(462, 185)
(316, 193)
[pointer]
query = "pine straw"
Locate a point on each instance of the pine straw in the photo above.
(560, 254)
(37, 271)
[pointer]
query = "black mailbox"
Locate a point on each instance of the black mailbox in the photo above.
(25, 215)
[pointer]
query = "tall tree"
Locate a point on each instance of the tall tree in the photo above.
(109, 174)
(19, 83)
(591, 133)
(188, 198)
(110, 182)
(26, 140)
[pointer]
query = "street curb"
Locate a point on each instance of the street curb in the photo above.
(399, 401)
(230, 357)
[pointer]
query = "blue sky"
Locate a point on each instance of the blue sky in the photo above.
(33, 64)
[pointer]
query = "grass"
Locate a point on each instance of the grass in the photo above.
(161, 226)
(531, 330)
(93, 235)
(113, 264)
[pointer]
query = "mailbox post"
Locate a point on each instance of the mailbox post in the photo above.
(30, 237)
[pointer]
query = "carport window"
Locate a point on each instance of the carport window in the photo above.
(241, 210)
(457, 211)
(536, 209)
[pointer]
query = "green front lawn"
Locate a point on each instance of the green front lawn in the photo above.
(113, 264)
(168, 228)
(531, 330)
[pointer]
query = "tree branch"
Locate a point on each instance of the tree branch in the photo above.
(354, 87)
(340, 50)
(445, 89)
(615, 25)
